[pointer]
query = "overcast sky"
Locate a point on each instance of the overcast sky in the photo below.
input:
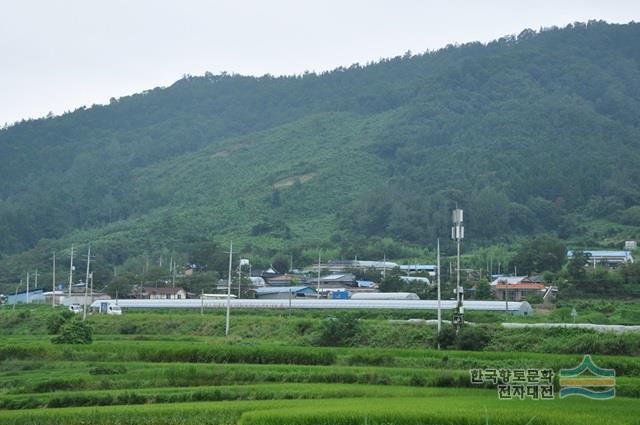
(58, 55)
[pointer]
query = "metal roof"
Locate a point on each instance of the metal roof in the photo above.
(347, 276)
(418, 267)
(161, 291)
(375, 264)
(281, 289)
(308, 303)
(621, 254)
(414, 279)
(516, 286)
(385, 296)
(509, 280)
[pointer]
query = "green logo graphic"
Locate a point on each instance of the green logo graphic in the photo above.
(576, 382)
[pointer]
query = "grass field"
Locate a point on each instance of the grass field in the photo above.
(263, 375)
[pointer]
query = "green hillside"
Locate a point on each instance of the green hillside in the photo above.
(530, 134)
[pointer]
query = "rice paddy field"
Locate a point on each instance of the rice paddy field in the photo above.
(177, 368)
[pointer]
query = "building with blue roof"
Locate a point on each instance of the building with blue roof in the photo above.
(280, 292)
(608, 258)
(33, 296)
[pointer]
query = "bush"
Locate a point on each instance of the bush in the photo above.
(473, 338)
(447, 337)
(57, 321)
(129, 328)
(535, 299)
(237, 354)
(338, 331)
(105, 370)
(74, 331)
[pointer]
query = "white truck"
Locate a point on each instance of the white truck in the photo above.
(107, 307)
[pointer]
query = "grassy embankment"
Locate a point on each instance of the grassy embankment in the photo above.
(175, 368)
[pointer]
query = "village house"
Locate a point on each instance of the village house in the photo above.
(518, 288)
(151, 293)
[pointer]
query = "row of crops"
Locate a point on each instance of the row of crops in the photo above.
(217, 351)
(442, 407)
(190, 379)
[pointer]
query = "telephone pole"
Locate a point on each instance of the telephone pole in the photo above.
(457, 233)
(384, 266)
(16, 295)
(439, 306)
(173, 276)
(319, 259)
(71, 273)
(36, 279)
(226, 328)
(86, 285)
(28, 288)
(53, 282)
(239, 277)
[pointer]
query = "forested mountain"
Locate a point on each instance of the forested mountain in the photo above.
(534, 133)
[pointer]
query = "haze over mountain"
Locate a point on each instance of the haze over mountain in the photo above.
(529, 134)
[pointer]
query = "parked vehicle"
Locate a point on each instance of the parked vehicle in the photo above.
(108, 307)
(75, 308)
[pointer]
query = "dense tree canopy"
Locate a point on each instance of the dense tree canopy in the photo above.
(539, 254)
(529, 134)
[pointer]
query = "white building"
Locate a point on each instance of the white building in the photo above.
(607, 258)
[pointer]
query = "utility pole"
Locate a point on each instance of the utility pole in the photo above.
(457, 233)
(36, 279)
(239, 277)
(27, 287)
(53, 282)
(16, 295)
(173, 276)
(319, 253)
(506, 298)
(384, 266)
(86, 285)
(226, 329)
(173, 281)
(490, 268)
(439, 306)
(172, 270)
(71, 273)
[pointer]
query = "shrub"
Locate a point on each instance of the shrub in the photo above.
(472, 338)
(74, 331)
(446, 338)
(105, 370)
(535, 299)
(129, 328)
(338, 331)
(57, 321)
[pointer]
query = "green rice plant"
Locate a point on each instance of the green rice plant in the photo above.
(453, 407)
